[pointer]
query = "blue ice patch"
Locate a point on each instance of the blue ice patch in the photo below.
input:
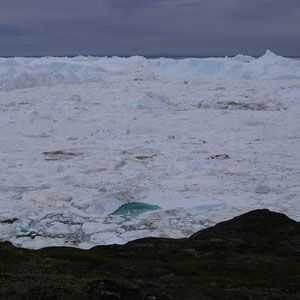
(134, 209)
(262, 190)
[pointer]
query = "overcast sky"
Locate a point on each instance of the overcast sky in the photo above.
(149, 27)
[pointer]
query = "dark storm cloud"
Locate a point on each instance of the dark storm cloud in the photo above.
(265, 8)
(186, 27)
(129, 5)
(10, 30)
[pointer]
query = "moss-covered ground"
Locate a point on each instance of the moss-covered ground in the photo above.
(253, 256)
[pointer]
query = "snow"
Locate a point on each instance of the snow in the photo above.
(106, 132)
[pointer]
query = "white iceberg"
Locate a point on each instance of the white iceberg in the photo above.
(269, 66)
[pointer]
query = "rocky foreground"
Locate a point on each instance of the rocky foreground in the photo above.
(253, 256)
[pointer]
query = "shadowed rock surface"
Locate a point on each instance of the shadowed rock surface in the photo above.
(253, 256)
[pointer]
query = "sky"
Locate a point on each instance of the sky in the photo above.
(149, 27)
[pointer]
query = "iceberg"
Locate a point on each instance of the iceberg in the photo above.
(20, 72)
(269, 66)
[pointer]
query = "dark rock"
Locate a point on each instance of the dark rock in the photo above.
(9, 221)
(61, 155)
(220, 156)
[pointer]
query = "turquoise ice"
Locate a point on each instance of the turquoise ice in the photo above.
(135, 209)
(261, 190)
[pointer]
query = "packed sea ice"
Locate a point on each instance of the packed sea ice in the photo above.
(183, 143)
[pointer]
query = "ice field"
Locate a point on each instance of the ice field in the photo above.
(106, 150)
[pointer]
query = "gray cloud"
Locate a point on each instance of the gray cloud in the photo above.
(264, 8)
(10, 30)
(186, 27)
(128, 5)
